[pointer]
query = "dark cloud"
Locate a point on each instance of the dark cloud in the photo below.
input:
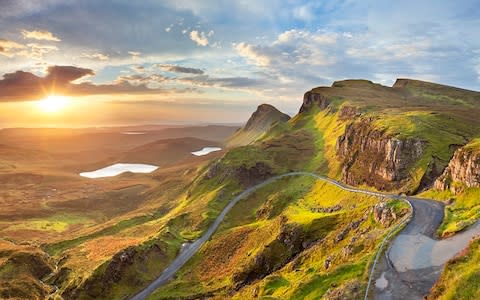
(2, 49)
(23, 86)
(66, 74)
(180, 69)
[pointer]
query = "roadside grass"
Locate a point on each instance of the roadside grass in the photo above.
(461, 276)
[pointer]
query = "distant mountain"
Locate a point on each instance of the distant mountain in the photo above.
(261, 120)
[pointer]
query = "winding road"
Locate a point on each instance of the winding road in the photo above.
(414, 247)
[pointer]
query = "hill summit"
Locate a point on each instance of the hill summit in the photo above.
(261, 120)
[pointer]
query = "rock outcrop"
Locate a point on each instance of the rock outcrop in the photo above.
(371, 156)
(462, 171)
(311, 99)
(383, 214)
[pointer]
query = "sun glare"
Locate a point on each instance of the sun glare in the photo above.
(53, 103)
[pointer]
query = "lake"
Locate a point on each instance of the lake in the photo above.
(205, 151)
(120, 168)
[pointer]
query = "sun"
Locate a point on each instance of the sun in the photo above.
(53, 103)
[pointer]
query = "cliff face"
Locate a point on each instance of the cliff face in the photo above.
(311, 99)
(462, 171)
(373, 157)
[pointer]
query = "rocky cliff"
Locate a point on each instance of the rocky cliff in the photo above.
(311, 99)
(462, 171)
(371, 156)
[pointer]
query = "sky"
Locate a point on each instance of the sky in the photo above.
(180, 62)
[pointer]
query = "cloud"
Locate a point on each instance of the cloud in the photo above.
(95, 56)
(228, 82)
(38, 50)
(25, 86)
(66, 74)
(139, 79)
(9, 48)
(291, 48)
(254, 53)
(40, 35)
(30, 50)
(180, 69)
(199, 37)
(134, 54)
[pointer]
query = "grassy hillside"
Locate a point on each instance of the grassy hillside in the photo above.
(298, 241)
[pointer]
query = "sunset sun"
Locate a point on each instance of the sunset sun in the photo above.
(53, 103)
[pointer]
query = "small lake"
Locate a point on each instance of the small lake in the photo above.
(117, 169)
(205, 151)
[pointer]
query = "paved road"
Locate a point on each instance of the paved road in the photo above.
(414, 261)
(189, 251)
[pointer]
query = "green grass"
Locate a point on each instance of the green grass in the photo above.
(58, 223)
(318, 285)
(57, 248)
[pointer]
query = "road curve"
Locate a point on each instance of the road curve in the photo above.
(187, 253)
(412, 264)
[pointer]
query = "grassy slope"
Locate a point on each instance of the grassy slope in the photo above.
(253, 228)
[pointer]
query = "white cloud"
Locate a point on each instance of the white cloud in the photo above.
(95, 56)
(134, 54)
(292, 47)
(40, 35)
(199, 37)
(9, 48)
(30, 50)
(253, 53)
